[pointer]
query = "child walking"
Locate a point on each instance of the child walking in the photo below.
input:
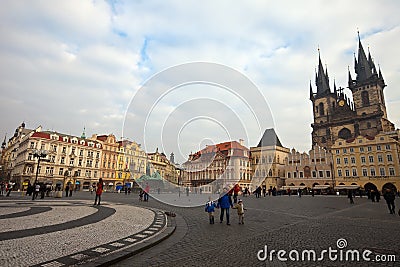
(240, 210)
(210, 208)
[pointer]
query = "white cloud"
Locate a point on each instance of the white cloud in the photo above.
(85, 59)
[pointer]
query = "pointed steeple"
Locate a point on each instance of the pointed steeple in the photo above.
(311, 92)
(3, 145)
(350, 79)
(334, 87)
(83, 136)
(322, 79)
(363, 68)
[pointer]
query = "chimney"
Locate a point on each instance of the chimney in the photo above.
(241, 142)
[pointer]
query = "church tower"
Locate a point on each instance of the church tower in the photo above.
(336, 117)
(368, 96)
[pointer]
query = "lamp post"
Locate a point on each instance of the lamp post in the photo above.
(38, 154)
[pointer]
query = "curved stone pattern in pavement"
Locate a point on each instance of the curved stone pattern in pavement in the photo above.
(111, 228)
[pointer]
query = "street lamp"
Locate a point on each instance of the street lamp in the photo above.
(39, 154)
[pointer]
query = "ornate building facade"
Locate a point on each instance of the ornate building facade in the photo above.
(336, 116)
(268, 161)
(217, 166)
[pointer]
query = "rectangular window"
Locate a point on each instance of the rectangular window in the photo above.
(346, 161)
(337, 151)
(363, 159)
(61, 171)
(382, 171)
(380, 158)
(389, 157)
(95, 174)
(371, 159)
(62, 160)
(301, 175)
(369, 148)
(391, 171)
(80, 162)
(328, 173)
(81, 152)
(351, 150)
(387, 147)
(71, 162)
(314, 174)
(354, 172)
(353, 160)
(321, 174)
(364, 172)
(347, 172)
(361, 149)
(378, 148)
(338, 161)
(372, 171)
(288, 175)
(295, 175)
(339, 172)
(32, 144)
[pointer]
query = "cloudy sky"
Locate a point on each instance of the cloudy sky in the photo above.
(66, 65)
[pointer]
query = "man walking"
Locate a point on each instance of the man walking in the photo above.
(225, 203)
(389, 196)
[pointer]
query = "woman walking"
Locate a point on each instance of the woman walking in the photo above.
(99, 191)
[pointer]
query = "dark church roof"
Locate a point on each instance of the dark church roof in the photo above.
(269, 138)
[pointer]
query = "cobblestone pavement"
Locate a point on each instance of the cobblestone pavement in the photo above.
(280, 223)
(272, 223)
(72, 231)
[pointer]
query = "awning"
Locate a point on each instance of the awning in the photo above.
(347, 187)
(292, 187)
(321, 186)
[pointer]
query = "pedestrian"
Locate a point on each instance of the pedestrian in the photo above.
(99, 191)
(91, 189)
(350, 196)
(264, 190)
(389, 196)
(299, 192)
(36, 192)
(141, 193)
(210, 209)
(377, 195)
(289, 192)
(312, 192)
(187, 191)
(240, 211)
(9, 189)
(372, 195)
(236, 190)
(225, 203)
(146, 192)
(66, 190)
(70, 190)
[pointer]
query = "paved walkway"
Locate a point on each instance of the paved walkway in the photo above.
(67, 231)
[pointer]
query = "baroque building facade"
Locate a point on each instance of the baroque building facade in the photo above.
(217, 166)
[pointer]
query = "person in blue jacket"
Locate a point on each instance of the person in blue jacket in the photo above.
(210, 209)
(225, 203)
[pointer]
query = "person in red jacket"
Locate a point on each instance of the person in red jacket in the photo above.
(99, 191)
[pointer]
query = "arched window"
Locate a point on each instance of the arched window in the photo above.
(321, 109)
(345, 134)
(365, 98)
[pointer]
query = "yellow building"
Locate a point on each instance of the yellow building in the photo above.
(268, 162)
(158, 162)
(369, 162)
(131, 164)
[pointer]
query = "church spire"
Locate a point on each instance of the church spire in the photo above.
(322, 79)
(83, 136)
(3, 145)
(362, 67)
(311, 92)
